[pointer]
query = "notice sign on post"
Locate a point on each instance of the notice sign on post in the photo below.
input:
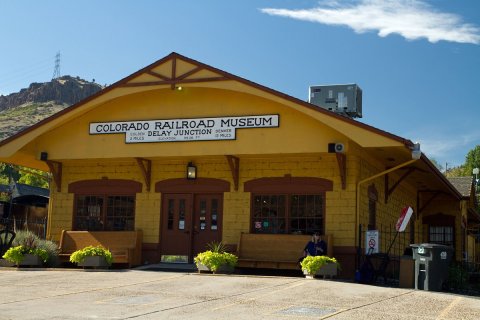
(371, 241)
(404, 219)
(192, 129)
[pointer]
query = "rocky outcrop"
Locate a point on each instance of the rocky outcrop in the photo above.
(64, 90)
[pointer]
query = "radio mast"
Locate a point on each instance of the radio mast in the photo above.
(56, 72)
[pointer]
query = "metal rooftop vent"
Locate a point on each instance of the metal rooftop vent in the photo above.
(345, 99)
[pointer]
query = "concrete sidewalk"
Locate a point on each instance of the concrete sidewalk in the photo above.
(143, 294)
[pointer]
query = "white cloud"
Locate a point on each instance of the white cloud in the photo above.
(412, 19)
(448, 148)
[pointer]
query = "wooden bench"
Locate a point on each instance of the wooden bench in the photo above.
(275, 251)
(125, 246)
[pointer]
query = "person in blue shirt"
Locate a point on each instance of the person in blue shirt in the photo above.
(315, 247)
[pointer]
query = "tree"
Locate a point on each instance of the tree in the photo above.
(472, 160)
(456, 172)
(436, 164)
(8, 172)
(20, 174)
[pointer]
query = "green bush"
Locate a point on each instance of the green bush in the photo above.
(457, 277)
(214, 260)
(16, 254)
(91, 251)
(26, 242)
(313, 263)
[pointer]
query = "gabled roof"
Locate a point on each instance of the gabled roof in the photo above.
(26, 190)
(176, 70)
(463, 185)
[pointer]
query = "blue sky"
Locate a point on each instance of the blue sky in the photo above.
(417, 61)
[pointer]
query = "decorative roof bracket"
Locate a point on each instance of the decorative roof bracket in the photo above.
(234, 163)
(145, 166)
(56, 170)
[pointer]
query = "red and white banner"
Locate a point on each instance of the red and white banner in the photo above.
(404, 219)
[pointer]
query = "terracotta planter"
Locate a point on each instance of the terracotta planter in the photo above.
(222, 269)
(31, 260)
(94, 261)
(327, 270)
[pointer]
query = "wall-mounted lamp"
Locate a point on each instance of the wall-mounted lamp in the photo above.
(43, 156)
(191, 171)
(475, 172)
(178, 88)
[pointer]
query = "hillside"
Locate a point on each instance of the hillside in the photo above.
(40, 100)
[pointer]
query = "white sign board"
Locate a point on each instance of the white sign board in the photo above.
(371, 242)
(194, 129)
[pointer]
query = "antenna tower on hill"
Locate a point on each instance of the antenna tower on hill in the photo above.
(56, 72)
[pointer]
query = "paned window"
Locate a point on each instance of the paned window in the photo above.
(441, 235)
(104, 212)
(288, 213)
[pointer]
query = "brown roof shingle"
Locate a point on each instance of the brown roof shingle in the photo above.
(462, 184)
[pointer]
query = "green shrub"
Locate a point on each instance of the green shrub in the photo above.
(30, 240)
(313, 263)
(91, 251)
(457, 277)
(214, 260)
(16, 254)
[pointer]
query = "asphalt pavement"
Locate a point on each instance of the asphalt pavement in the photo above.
(146, 294)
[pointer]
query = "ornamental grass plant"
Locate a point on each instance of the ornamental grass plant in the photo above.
(27, 242)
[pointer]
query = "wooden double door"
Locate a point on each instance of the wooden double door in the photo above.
(189, 223)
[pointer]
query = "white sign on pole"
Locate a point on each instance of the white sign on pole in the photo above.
(193, 129)
(371, 242)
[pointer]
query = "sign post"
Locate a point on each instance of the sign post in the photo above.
(371, 242)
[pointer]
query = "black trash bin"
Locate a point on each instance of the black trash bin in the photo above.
(431, 265)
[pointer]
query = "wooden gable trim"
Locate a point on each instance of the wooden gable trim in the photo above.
(223, 76)
(158, 75)
(172, 83)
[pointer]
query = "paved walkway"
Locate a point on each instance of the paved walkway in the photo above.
(142, 294)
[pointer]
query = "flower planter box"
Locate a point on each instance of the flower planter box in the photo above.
(94, 262)
(6, 263)
(327, 270)
(31, 260)
(222, 269)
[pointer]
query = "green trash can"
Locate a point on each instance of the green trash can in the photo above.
(431, 265)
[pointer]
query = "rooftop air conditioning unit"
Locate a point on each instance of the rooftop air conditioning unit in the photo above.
(344, 99)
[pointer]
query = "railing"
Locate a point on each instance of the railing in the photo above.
(392, 243)
(36, 225)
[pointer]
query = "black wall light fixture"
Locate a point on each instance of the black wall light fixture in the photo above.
(191, 171)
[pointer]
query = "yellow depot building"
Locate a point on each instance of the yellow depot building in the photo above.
(190, 154)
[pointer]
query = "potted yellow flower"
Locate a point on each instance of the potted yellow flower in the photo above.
(92, 257)
(319, 266)
(216, 259)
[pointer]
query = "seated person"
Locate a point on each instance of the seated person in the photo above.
(315, 247)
